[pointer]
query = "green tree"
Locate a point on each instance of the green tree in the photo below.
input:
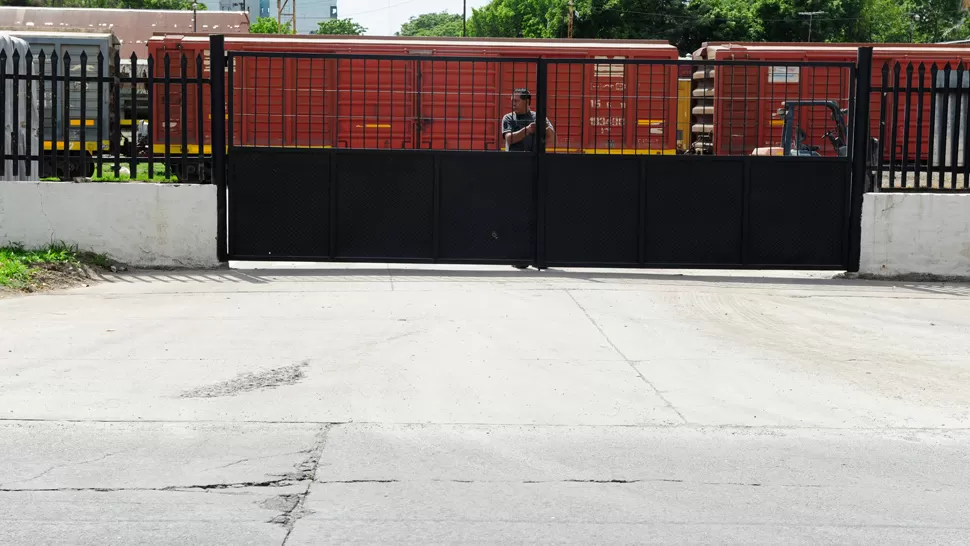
(340, 26)
(939, 20)
(717, 20)
(432, 24)
(630, 19)
(519, 19)
(687, 24)
(268, 25)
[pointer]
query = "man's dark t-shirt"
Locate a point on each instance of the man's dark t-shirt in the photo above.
(513, 122)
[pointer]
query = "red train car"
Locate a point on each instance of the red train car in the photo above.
(608, 107)
(738, 105)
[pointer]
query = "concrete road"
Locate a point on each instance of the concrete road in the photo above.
(377, 405)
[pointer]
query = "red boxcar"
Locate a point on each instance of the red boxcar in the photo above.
(738, 105)
(441, 104)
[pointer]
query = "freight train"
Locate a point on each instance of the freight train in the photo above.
(603, 96)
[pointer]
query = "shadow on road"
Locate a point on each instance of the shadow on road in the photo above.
(444, 273)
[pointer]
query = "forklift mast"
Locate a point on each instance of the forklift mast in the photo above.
(789, 127)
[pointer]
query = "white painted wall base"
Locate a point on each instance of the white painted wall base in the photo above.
(143, 225)
(916, 234)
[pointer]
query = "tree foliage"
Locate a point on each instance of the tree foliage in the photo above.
(340, 26)
(519, 19)
(432, 24)
(689, 23)
(268, 25)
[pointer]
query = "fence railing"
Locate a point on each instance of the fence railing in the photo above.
(104, 118)
(923, 127)
(592, 106)
(107, 118)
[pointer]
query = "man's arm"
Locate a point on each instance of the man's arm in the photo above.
(550, 135)
(511, 136)
(516, 136)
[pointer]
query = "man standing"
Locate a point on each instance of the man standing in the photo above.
(519, 129)
(519, 125)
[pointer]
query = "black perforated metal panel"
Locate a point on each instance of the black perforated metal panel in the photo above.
(279, 204)
(385, 204)
(694, 210)
(798, 211)
(592, 209)
(487, 206)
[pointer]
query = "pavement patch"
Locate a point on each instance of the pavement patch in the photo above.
(277, 377)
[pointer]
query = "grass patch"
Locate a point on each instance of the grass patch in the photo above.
(56, 264)
(142, 174)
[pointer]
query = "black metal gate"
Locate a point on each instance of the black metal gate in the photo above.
(384, 199)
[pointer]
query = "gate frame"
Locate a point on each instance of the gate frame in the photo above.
(860, 72)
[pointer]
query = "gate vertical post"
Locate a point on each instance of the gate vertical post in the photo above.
(539, 151)
(860, 154)
(217, 89)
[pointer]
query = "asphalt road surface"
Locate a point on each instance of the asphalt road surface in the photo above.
(400, 405)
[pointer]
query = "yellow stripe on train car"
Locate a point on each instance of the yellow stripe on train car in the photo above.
(627, 151)
(608, 151)
(193, 149)
(77, 123)
(176, 149)
(76, 146)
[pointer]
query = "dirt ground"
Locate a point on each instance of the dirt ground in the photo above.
(53, 276)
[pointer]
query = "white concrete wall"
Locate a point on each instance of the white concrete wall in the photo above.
(138, 224)
(916, 233)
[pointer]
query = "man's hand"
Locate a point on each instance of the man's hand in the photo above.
(531, 129)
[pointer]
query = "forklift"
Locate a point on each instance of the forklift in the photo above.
(836, 136)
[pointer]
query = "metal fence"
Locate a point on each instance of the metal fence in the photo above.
(104, 119)
(107, 118)
(615, 106)
(923, 127)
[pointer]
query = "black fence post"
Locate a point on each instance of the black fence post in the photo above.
(860, 155)
(217, 89)
(539, 140)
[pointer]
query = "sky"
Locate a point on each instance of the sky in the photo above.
(379, 19)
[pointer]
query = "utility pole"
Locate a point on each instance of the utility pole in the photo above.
(571, 12)
(464, 12)
(811, 15)
(280, 5)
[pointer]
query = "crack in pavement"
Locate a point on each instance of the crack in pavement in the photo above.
(240, 461)
(282, 482)
(593, 481)
(629, 362)
(293, 503)
(307, 472)
(44, 473)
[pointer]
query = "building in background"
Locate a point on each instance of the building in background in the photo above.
(254, 8)
(308, 12)
(133, 27)
(311, 12)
